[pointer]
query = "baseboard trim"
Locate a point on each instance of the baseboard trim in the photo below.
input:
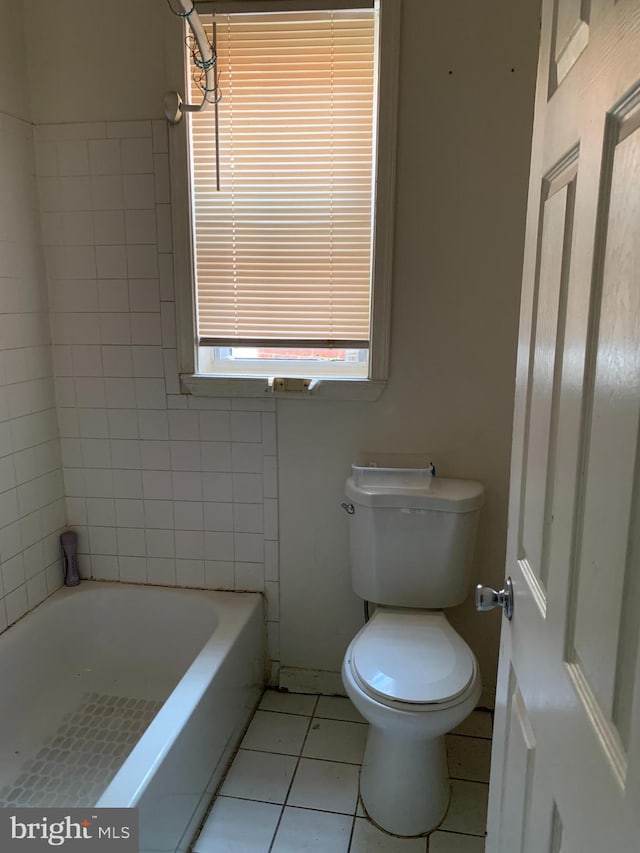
(328, 683)
(298, 680)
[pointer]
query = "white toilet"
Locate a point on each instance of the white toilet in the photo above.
(411, 676)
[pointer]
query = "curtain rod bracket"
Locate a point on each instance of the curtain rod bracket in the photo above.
(172, 107)
(173, 104)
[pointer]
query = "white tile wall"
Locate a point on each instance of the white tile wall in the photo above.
(162, 488)
(32, 509)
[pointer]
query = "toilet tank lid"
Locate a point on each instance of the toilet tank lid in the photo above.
(443, 495)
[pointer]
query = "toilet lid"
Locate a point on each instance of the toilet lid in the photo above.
(412, 657)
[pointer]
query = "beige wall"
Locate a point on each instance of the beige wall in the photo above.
(14, 92)
(466, 97)
(91, 60)
(463, 148)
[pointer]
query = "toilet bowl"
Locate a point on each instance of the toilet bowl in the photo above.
(413, 678)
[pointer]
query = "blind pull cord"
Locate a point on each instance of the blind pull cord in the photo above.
(216, 101)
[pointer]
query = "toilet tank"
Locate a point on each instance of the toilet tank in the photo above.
(411, 543)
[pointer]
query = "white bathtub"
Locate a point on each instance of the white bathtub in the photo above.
(121, 695)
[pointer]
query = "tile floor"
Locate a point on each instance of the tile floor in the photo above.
(293, 785)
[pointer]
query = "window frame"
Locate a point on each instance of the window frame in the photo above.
(370, 388)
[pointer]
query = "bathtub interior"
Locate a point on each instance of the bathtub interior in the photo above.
(84, 675)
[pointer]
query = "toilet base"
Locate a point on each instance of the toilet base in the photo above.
(404, 782)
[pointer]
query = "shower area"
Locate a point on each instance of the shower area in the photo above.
(111, 686)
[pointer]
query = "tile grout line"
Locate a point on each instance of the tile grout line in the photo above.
(473, 737)
(464, 779)
(345, 814)
(221, 782)
(320, 717)
(461, 832)
(309, 757)
(302, 808)
(293, 776)
(353, 826)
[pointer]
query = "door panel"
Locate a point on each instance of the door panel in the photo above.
(613, 417)
(570, 36)
(546, 351)
(566, 755)
(519, 766)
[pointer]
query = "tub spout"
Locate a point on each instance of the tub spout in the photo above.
(69, 542)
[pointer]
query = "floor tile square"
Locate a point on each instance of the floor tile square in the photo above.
(451, 842)
(335, 740)
(259, 776)
(307, 831)
(338, 708)
(469, 758)
(478, 724)
(272, 732)
(238, 825)
(468, 809)
(288, 703)
(367, 838)
(325, 785)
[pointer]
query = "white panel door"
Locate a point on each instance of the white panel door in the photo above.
(566, 755)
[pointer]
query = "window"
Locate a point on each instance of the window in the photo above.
(287, 279)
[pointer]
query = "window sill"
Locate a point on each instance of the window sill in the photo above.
(202, 385)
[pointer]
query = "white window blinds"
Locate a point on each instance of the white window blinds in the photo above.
(283, 250)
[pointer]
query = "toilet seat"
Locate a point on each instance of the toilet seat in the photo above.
(412, 658)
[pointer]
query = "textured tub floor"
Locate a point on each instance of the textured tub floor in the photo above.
(73, 765)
